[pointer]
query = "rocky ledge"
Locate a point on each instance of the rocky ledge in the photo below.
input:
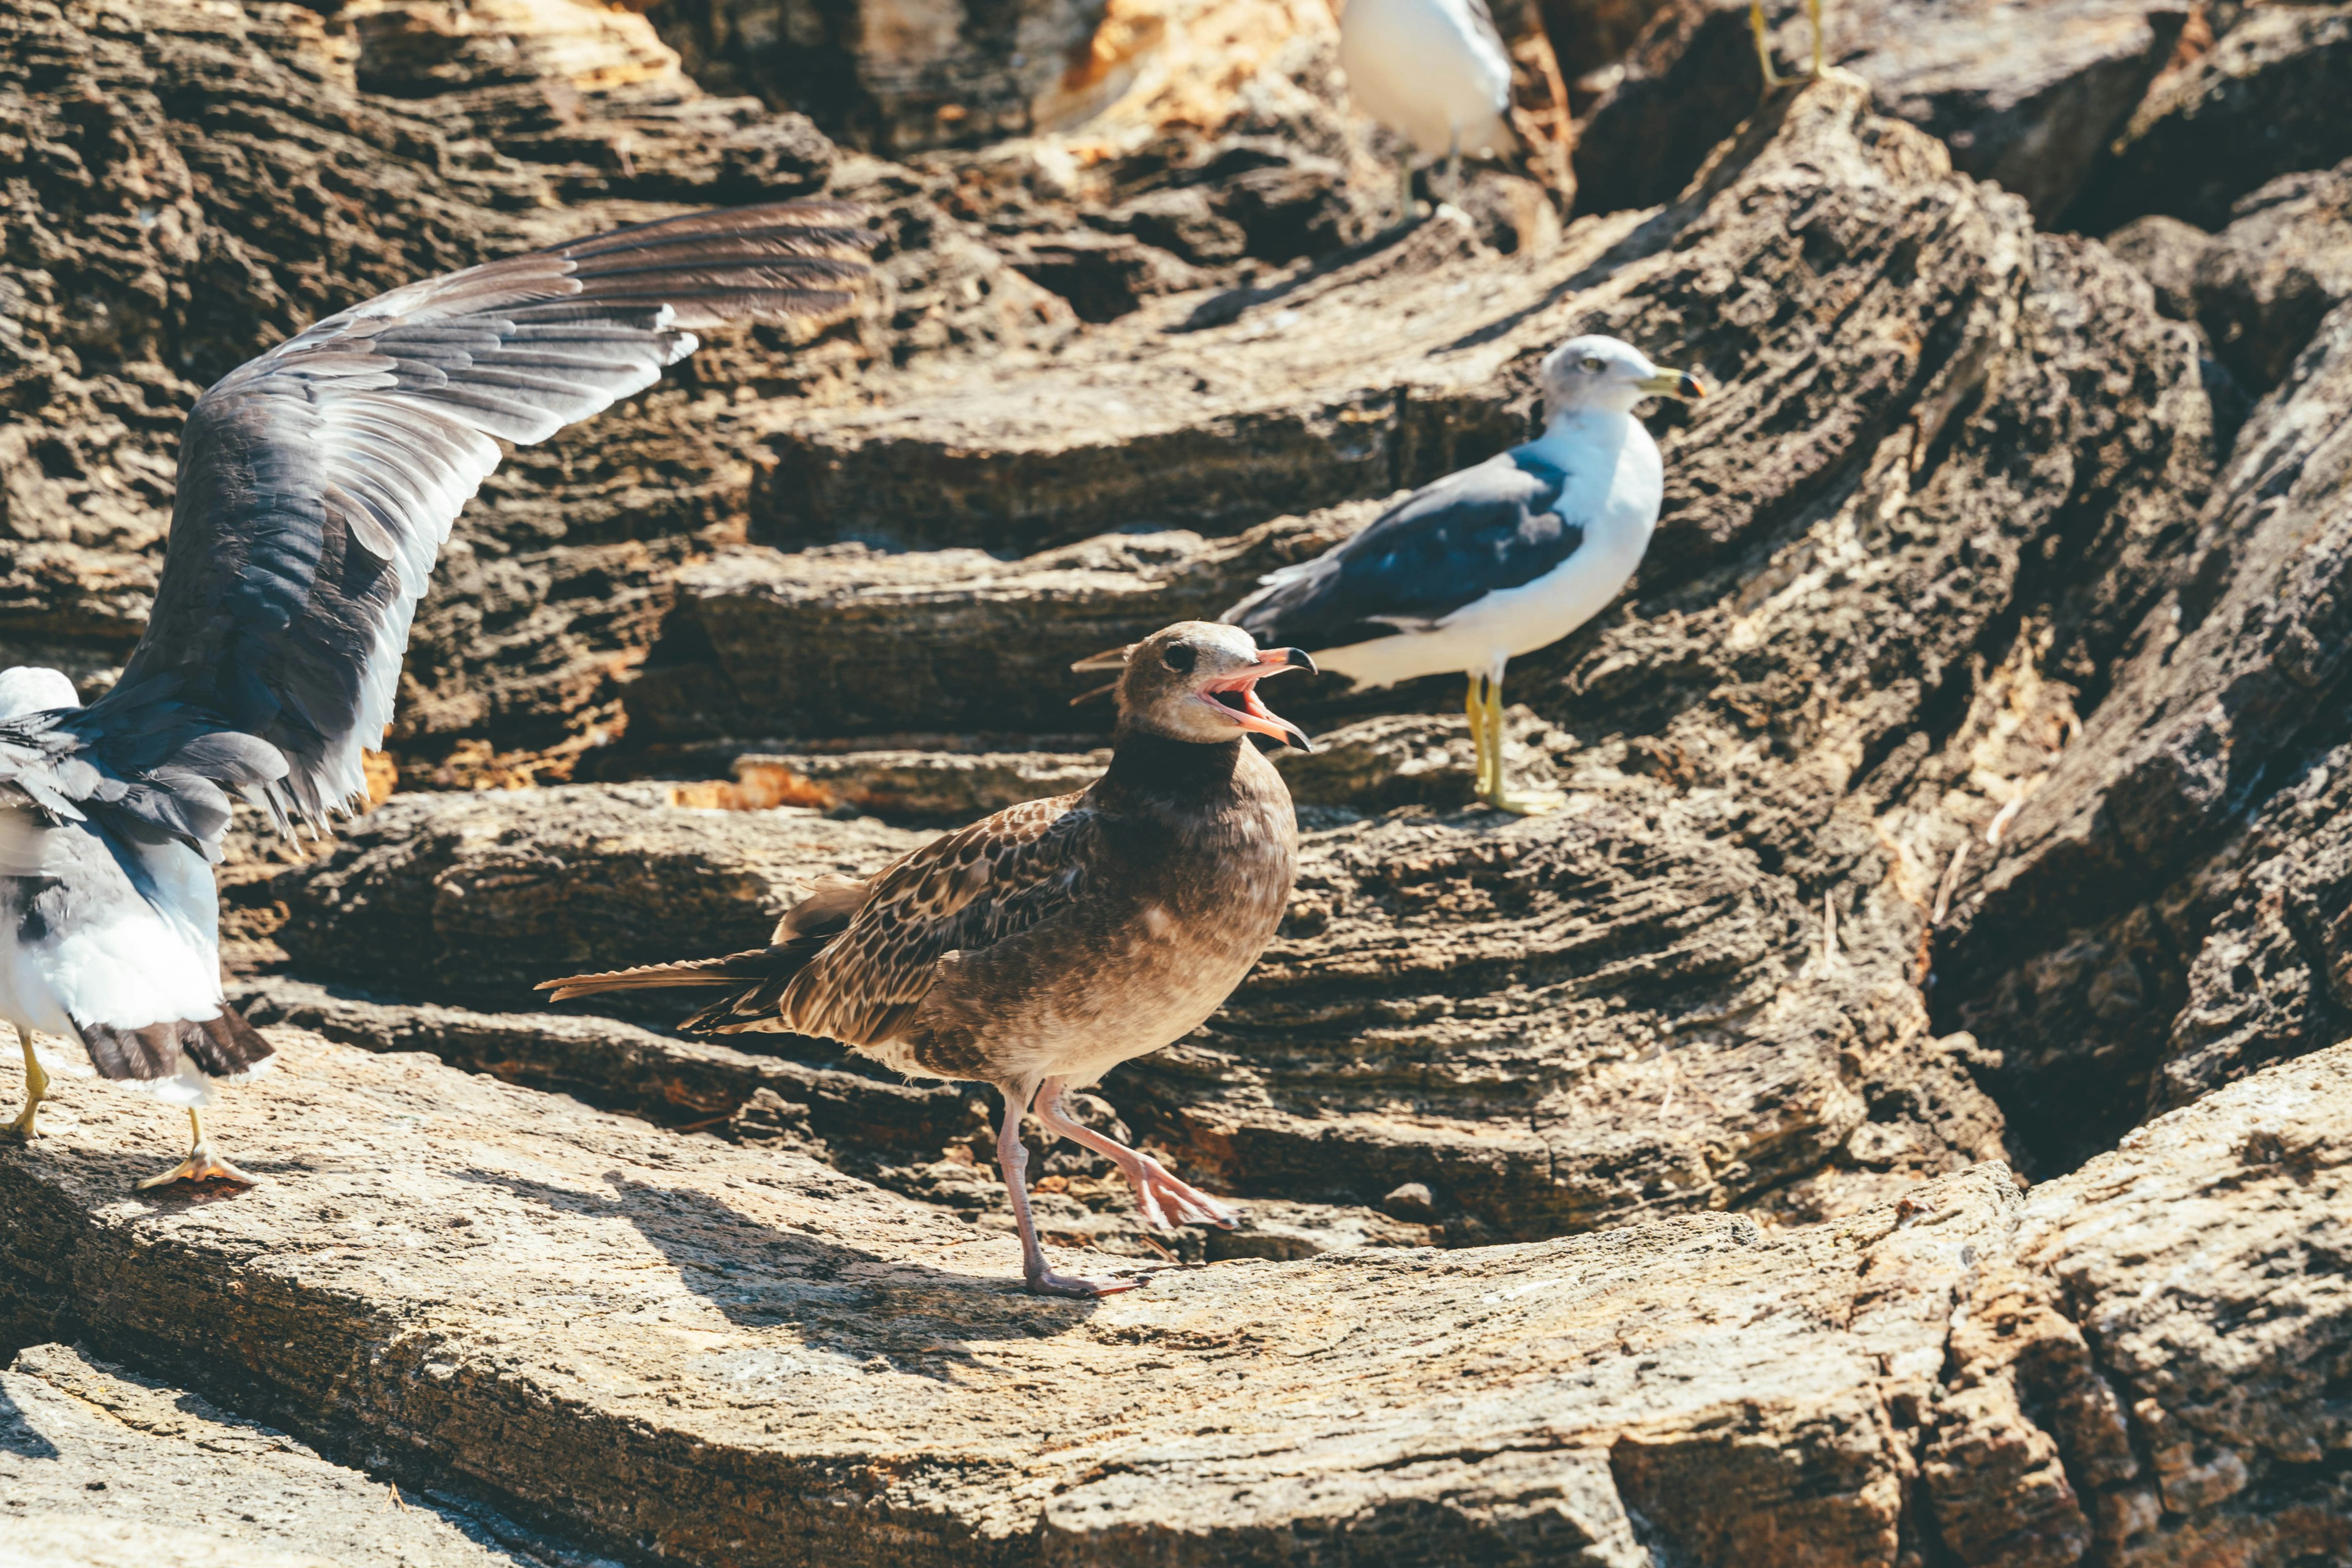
(1889, 1116)
(691, 1351)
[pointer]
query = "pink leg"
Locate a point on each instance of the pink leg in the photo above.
(1157, 1192)
(1013, 1158)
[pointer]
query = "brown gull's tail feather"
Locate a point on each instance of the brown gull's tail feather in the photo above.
(734, 969)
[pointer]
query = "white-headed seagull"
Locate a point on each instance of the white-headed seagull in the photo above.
(316, 486)
(1468, 574)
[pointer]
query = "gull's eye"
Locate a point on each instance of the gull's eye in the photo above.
(1181, 657)
(1594, 364)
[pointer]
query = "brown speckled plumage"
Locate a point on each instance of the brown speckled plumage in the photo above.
(1042, 946)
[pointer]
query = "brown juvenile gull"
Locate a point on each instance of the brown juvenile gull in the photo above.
(1039, 948)
(316, 486)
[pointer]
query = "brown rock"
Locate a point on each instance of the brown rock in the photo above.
(241, 182)
(1198, 413)
(951, 787)
(2267, 100)
(851, 640)
(480, 897)
(2162, 914)
(2026, 97)
(2166, 252)
(2265, 283)
(675, 1343)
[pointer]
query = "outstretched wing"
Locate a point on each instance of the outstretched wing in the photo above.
(1486, 529)
(319, 482)
(966, 891)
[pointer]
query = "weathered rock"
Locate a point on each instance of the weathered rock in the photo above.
(2028, 97)
(892, 76)
(106, 1469)
(1213, 414)
(2265, 283)
(723, 1354)
(948, 787)
(479, 897)
(843, 641)
(2166, 252)
(2163, 912)
(2267, 100)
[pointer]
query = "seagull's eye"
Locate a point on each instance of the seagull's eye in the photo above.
(1181, 657)
(1594, 364)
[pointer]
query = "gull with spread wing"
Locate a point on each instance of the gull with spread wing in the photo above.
(316, 486)
(1039, 948)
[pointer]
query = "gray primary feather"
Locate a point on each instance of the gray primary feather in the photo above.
(317, 483)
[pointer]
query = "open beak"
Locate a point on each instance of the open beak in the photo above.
(1237, 694)
(1679, 384)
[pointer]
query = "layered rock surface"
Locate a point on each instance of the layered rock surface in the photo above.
(1960, 781)
(708, 1354)
(2165, 913)
(2026, 96)
(107, 1469)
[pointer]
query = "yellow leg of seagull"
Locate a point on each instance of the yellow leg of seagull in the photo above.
(201, 1165)
(36, 1084)
(1519, 803)
(1475, 704)
(1813, 9)
(1772, 78)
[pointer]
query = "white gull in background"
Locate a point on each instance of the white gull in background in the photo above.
(1500, 560)
(1434, 72)
(317, 485)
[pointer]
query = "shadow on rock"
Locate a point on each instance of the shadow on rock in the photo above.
(760, 1276)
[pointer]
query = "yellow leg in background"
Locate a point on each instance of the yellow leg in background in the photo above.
(36, 1084)
(1774, 79)
(201, 1165)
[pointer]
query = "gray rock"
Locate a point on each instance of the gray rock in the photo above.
(2028, 97)
(102, 1468)
(2267, 100)
(2266, 282)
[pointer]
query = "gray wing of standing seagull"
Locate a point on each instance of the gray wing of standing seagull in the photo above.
(1450, 543)
(316, 486)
